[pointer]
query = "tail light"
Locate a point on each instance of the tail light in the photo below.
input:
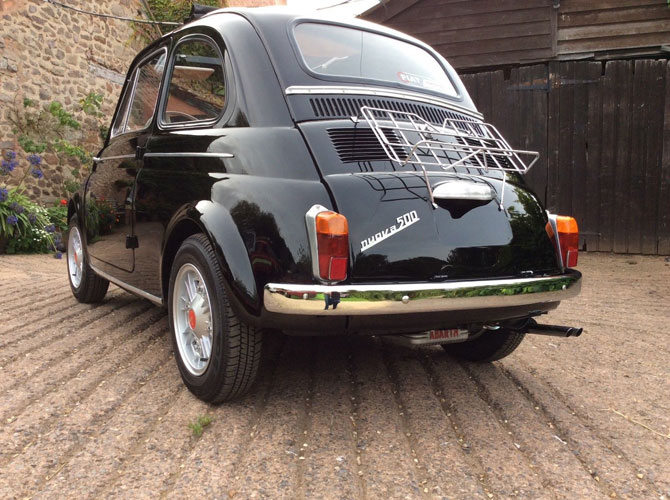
(329, 242)
(564, 233)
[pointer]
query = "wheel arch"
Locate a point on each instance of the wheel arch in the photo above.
(215, 222)
(181, 230)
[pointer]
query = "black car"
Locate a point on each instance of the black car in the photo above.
(269, 171)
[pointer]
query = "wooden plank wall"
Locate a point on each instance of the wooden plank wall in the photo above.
(494, 33)
(603, 131)
(471, 33)
(596, 25)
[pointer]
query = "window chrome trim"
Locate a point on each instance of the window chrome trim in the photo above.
(129, 288)
(189, 155)
(410, 298)
(379, 92)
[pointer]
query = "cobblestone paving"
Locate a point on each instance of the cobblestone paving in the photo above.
(92, 406)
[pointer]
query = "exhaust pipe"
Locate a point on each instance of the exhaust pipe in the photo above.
(553, 330)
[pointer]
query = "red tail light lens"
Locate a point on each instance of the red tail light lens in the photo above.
(332, 237)
(568, 238)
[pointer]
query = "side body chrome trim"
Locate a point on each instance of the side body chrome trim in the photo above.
(189, 155)
(377, 299)
(130, 288)
(380, 92)
(97, 159)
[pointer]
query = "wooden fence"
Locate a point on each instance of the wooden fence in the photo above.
(603, 132)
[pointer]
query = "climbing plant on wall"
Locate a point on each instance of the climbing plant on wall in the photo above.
(167, 11)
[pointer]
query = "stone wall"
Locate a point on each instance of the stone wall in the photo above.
(50, 54)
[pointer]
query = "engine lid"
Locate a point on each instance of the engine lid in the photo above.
(475, 226)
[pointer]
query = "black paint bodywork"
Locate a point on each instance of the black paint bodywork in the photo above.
(252, 204)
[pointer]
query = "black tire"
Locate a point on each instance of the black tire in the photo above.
(90, 288)
(492, 345)
(235, 347)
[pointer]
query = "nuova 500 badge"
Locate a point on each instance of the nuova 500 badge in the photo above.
(402, 222)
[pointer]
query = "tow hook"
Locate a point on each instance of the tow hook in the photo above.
(553, 330)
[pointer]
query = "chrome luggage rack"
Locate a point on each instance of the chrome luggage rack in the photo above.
(409, 139)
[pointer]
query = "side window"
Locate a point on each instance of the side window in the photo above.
(146, 93)
(120, 122)
(197, 90)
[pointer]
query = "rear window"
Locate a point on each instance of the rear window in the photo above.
(350, 53)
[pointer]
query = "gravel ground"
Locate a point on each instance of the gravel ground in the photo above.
(92, 405)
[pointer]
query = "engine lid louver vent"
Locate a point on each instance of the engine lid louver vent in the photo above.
(356, 144)
(347, 107)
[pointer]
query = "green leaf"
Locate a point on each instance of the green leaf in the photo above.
(63, 117)
(31, 146)
(91, 104)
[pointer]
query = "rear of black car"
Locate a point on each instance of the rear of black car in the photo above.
(414, 260)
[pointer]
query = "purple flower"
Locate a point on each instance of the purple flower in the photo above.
(3, 194)
(7, 166)
(35, 159)
(50, 228)
(12, 220)
(57, 238)
(37, 173)
(9, 162)
(58, 255)
(32, 218)
(16, 207)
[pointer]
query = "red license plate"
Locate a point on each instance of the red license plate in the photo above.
(451, 333)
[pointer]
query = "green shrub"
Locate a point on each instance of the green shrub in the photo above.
(58, 215)
(25, 226)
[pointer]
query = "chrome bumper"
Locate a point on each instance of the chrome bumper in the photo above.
(363, 300)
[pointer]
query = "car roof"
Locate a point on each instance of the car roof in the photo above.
(264, 17)
(272, 23)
